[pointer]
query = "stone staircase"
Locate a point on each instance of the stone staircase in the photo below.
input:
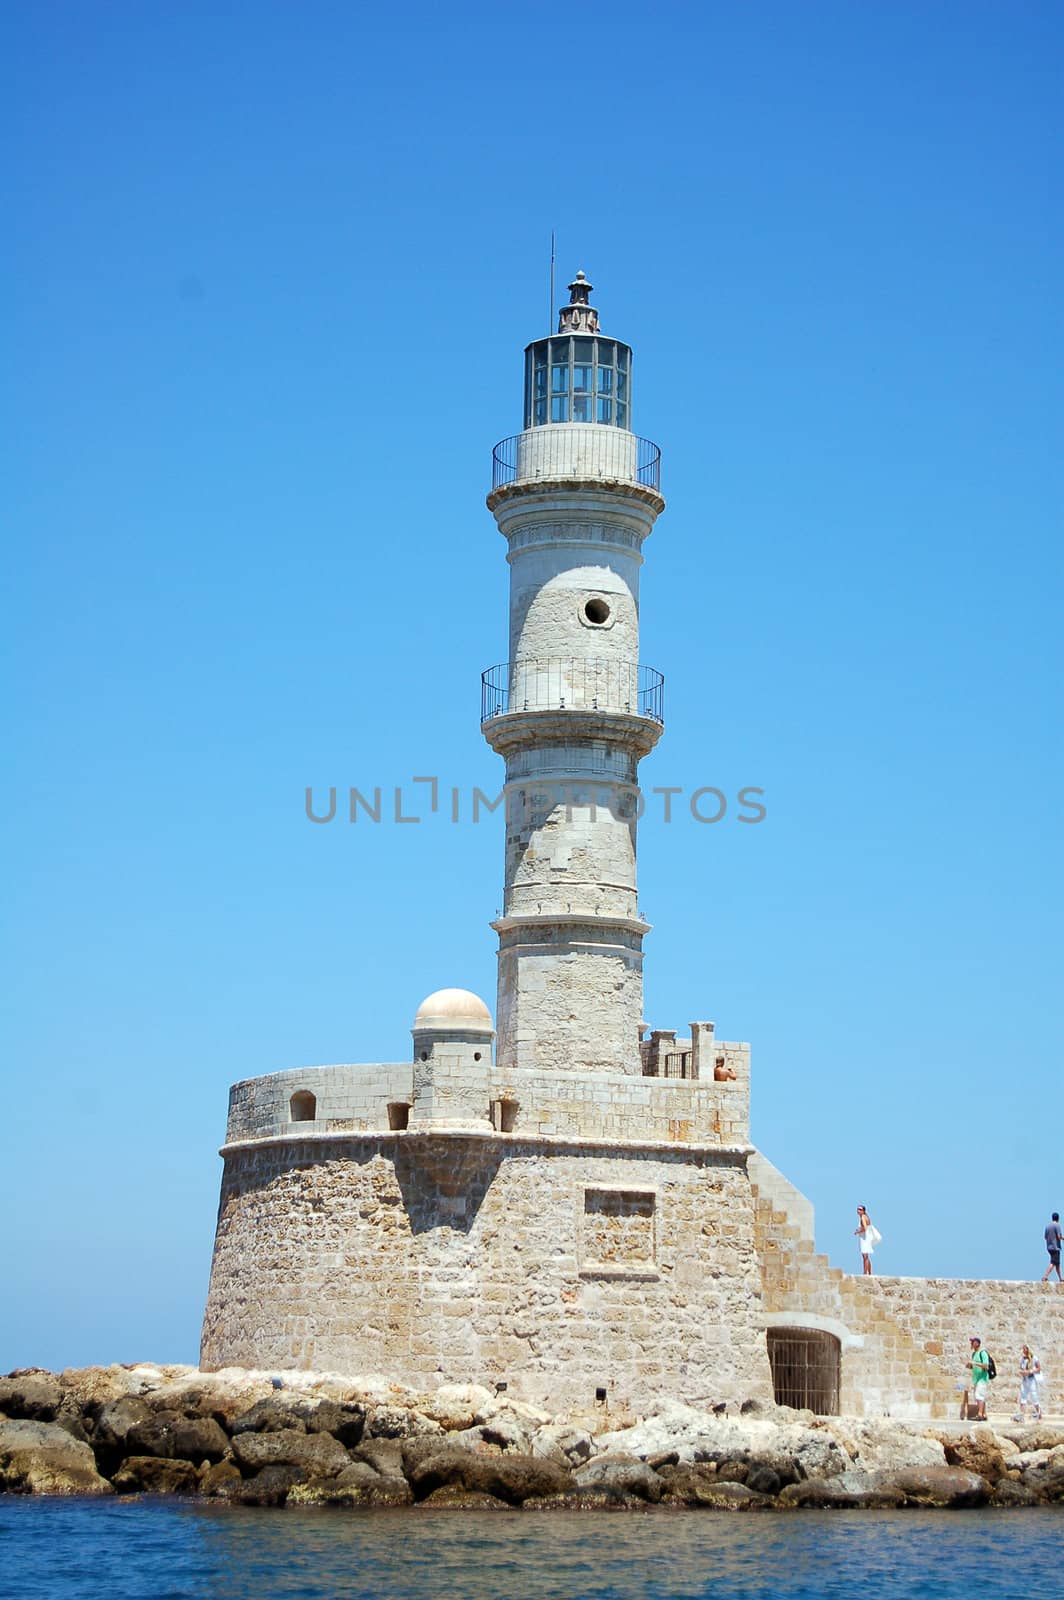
(883, 1369)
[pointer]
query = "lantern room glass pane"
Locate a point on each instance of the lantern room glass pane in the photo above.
(606, 352)
(559, 351)
(605, 409)
(582, 379)
(559, 379)
(622, 416)
(559, 408)
(541, 380)
(541, 411)
(581, 408)
(622, 386)
(604, 380)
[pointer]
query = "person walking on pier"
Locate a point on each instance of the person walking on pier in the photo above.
(1053, 1240)
(1030, 1372)
(980, 1378)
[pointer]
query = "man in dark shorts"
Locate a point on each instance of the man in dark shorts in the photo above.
(1053, 1238)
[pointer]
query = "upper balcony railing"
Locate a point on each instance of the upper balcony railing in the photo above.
(576, 450)
(563, 683)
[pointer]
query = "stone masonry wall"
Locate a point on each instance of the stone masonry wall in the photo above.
(454, 1258)
(904, 1341)
(883, 1371)
(604, 1105)
(941, 1314)
(348, 1097)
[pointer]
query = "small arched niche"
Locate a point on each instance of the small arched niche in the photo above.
(302, 1107)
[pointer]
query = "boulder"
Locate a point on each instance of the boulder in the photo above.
(880, 1445)
(1008, 1493)
(345, 1421)
(34, 1397)
(1047, 1479)
(270, 1416)
(42, 1458)
(219, 1480)
(625, 1473)
(457, 1405)
(318, 1455)
(155, 1475)
(397, 1422)
(116, 1418)
(455, 1499)
(849, 1491)
(978, 1453)
(938, 1486)
(732, 1497)
(271, 1486)
(600, 1499)
(509, 1432)
(385, 1456)
(688, 1485)
(1028, 1436)
(818, 1454)
(509, 1477)
(346, 1494)
(559, 1441)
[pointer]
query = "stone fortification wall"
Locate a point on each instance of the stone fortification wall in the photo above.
(347, 1097)
(619, 1106)
(941, 1314)
(554, 1269)
(611, 1106)
(904, 1341)
(883, 1371)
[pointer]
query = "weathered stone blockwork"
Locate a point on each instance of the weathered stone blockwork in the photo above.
(536, 1263)
(941, 1314)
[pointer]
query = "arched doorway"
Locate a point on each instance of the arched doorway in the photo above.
(805, 1369)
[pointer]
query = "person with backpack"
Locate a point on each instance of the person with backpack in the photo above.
(982, 1364)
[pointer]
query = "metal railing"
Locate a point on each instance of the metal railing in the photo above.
(576, 450)
(558, 683)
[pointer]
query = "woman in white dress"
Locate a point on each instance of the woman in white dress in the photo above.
(1030, 1374)
(868, 1237)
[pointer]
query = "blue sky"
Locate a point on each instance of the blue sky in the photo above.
(272, 268)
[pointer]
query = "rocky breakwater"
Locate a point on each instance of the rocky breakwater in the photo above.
(324, 1440)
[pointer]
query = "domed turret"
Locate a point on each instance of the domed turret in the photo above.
(450, 1008)
(452, 1061)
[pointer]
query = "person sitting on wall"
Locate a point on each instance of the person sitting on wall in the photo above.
(980, 1378)
(721, 1072)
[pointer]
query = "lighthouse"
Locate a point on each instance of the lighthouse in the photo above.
(573, 711)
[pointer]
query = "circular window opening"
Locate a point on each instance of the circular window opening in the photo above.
(596, 611)
(424, 1055)
(476, 1055)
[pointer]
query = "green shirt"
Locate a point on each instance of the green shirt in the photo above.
(980, 1366)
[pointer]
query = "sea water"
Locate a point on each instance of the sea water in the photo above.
(168, 1550)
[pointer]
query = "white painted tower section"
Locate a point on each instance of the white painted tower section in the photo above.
(572, 711)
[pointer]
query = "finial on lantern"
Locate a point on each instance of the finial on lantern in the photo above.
(578, 316)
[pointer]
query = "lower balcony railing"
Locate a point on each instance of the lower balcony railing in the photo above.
(560, 683)
(576, 450)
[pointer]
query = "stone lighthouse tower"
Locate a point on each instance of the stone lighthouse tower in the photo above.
(572, 711)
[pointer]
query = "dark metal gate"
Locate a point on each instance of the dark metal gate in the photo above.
(805, 1369)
